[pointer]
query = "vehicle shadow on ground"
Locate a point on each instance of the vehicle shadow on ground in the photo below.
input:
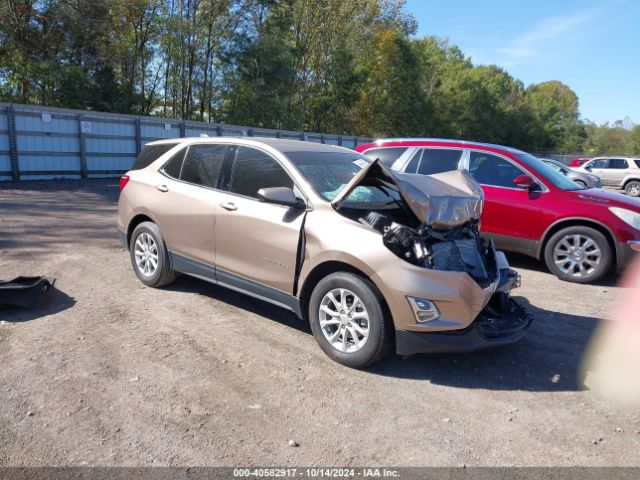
(54, 301)
(239, 300)
(547, 359)
(520, 261)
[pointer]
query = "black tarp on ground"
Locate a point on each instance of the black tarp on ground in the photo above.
(24, 291)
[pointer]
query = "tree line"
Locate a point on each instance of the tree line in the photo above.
(339, 66)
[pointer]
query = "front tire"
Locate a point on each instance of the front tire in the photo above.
(632, 188)
(348, 320)
(581, 183)
(579, 255)
(149, 256)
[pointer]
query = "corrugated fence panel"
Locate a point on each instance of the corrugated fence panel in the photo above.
(125, 128)
(156, 131)
(118, 164)
(3, 122)
(55, 143)
(33, 122)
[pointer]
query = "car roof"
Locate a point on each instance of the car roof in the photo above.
(283, 145)
(467, 143)
(615, 157)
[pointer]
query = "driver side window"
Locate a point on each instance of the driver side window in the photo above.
(602, 163)
(492, 170)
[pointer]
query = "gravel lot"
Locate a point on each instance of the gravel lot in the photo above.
(108, 372)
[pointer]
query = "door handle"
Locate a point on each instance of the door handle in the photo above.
(162, 188)
(229, 206)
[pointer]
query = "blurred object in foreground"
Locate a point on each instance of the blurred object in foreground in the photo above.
(612, 364)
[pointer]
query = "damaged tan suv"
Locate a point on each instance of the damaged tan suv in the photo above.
(371, 258)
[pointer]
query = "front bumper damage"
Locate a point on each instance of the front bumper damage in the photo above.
(503, 321)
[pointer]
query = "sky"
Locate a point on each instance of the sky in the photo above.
(592, 46)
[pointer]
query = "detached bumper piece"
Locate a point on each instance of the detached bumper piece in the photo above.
(502, 322)
(24, 291)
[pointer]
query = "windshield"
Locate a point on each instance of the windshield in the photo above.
(547, 172)
(329, 172)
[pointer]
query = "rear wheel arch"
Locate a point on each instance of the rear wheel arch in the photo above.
(135, 221)
(577, 222)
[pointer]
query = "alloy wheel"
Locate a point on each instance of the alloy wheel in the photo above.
(344, 320)
(577, 255)
(146, 254)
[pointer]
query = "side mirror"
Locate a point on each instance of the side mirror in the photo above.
(525, 182)
(280, 196)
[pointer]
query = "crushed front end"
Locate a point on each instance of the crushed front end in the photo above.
(452, 290)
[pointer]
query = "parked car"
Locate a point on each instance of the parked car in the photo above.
(585, 180)
(618, 172)
(529, 207)
(369, 256)
(576, 162)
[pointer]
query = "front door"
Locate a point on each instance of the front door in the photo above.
(599, 168)
(255, 240)
(511, 215)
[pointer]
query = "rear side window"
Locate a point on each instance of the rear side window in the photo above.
(203, 164)
(491, 170)
(618, 163)
(438, 160)
(637, 162)
(254, 169)
(386, 155)
(150, 154)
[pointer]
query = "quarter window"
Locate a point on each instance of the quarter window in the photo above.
(492, 170)
(253, 170)
(203, 164)
(150, 154)
(172, 167)
(387, 156)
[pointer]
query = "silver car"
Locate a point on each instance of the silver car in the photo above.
(618, 172)
(585, 180)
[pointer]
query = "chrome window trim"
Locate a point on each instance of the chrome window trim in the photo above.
(188, 146)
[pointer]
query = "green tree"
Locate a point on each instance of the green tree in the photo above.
(554, 107)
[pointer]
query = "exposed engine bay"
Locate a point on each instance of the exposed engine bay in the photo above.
(428, 220)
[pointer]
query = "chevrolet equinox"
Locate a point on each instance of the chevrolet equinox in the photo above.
(372, 258)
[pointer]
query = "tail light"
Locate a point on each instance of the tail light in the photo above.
(124, 179)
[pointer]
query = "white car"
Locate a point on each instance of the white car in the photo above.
(616, 172)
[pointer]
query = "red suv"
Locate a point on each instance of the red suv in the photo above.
(530, 207)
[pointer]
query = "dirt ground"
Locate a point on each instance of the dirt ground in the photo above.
(108, 372)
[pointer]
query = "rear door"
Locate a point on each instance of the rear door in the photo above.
(616, 172)
(256, 240)
(511, 215)
(187, 200)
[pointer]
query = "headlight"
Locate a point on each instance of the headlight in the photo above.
(424, 310)
(627, 216)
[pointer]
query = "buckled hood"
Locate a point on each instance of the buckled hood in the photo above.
(441, 201)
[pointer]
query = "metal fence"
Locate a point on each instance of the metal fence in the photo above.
(39, 143)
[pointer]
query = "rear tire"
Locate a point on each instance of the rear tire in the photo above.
(578, 254)
(149, 256)
(338, 307)
(632, 188)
